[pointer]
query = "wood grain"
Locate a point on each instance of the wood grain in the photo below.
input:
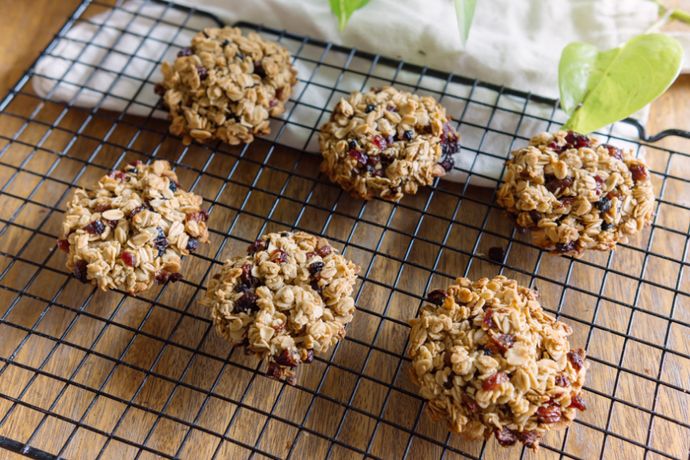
(145, 369)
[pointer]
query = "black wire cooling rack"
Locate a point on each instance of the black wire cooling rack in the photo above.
(86, 374)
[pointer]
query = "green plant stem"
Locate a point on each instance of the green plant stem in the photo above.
(680, 15)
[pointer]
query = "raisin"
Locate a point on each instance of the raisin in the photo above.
(576, 358)
(315, 268)
(437, 296)
(80, 269)
(497, 254)
(246, 303)
(128, 258)
(63, 245)
(529, 438)
(172, 185)
(259, 70)
(323, 251)
(274, 371)
(606, 226)
(577, 402)
(615, 152)
(449, 140)
(577, 140)
(535, 216)
(549, 414)
(246, 276)
(159, 89)
(198, 216)
(488, 319)
(95, 228)
(369, 108)
(502, 341)
(160, 242)
(310, 356)
(256, 246)
(192, 244)
(279, 256)
(553, 184)
(562, 381)
(174, 277)
(495, 381)
(639, 172)
(202, 71)
(225, 43)
(505, 436)
(315, 286)
(162, 276)
(185, 52)
(287, 358)
(408, 134)
(352, 144)
(565, 247)
(603, 204)
(471, 404)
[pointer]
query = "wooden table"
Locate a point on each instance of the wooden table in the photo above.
(152, 346)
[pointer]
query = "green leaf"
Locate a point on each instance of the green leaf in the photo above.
(464, 12)
(602, 87)
(343, 9)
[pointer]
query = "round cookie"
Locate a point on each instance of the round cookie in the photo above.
(574, 193)
(133, 229)
(226, 85)
(490, 361)
(289, 297)
(387, 143)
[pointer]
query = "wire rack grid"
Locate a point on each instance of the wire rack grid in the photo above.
(86, 374)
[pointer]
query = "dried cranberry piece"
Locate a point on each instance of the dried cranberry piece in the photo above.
(279, 256)
(95, 228)
(246, 303)
(497, 254)
(315, 268)
(63, 245)
(256, 246)
(577, 140)
(614, 151)
(408, 134)
(553, 184)
(639, 172)
(555, 147)
(361, 157)
(549, 414)
(447, 162)
(202, 71)
(323, 251)
(185, 52)
(470, 403)
(128, 258)
(162, 276)
(379, 142)
(576, 358)
(192, 244)
(565, 247)
(562, 381)
(495, 381)
(246, 276)
(604, 204)
(160, 242)
(437, 296)
(505, 436)
(488, 319)
(287, 358)
(577, 402)
(174, 277)
(449, 140)
(502, 341)
(369, 108)
(80, 269)
(529, 438)
(100, 207)
(198, 216)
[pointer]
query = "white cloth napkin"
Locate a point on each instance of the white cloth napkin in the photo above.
(110, 61)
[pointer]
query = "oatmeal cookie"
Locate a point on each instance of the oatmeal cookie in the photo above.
(574, 193)
(133, 229)
(226, 85)
(289, 297)
(489, 360)
(386, 143)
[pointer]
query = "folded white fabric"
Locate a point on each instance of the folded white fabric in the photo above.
(110, 61)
